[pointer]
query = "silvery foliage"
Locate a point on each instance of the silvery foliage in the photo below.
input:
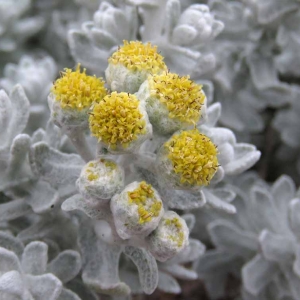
(287, 38)
(19, 179)
(35, 204)
(180, 36)
(60, 18)
(260, 244)
(260, 39)
(15, 26)
(26, 273)
(36, 76)
(255, 46)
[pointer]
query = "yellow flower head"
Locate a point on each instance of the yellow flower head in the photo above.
(92, 168)
(193, 156)
(76, 90)
(182, 97)
(144, 198)
(176, 226)
(137, 56)
(117, 119)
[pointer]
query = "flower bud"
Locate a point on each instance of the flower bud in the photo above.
(129, 67)
(72, 96)
(120, 122)
(195, 26)
(136, 210)
(173, 102)
(188, 160)
(100, 179)
(169, 238)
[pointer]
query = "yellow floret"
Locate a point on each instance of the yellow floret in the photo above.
(177, 227)
(91, 175)
(77, 90)
(182, 97)
(193, 156)
(117, 119)
(148, 205)
(137, 56)
(92, 169)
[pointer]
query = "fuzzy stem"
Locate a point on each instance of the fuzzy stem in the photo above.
(153, 18)
(79, 141)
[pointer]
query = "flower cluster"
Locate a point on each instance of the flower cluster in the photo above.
(120, 122)
(127, 207)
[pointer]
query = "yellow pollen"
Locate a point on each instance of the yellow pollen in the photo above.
(76, 90)
(194, 157)
(182, 97)
(117, 119)
(137, 56)
(176, 224)
(142, 196)
(91, 175)
(94, 169)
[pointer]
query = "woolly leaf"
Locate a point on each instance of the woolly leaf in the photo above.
(102, 39)
(100, 262)
(43, 287)
(8, 261)
(190, 221)
(218, 203)
(20, 111)
(275, 247)
(76, 202)
(14, 209)
(12, 284)
(66, 265)
(18, 153)
(213, 114)
(34, 258)
(283, 190)
(225, 235)
(85, 52)
(294, 220)
(42, 198)
(262, 202)
(147, 267)
(245, 156)
(257, 273)
(185, 199)
(59, 169)
(11, 243)
(5, 113)
(171, 16)
(184, 34)
(179, 272)
(168, 284)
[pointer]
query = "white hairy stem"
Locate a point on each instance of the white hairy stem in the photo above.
(153, 17)
(78, 139)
